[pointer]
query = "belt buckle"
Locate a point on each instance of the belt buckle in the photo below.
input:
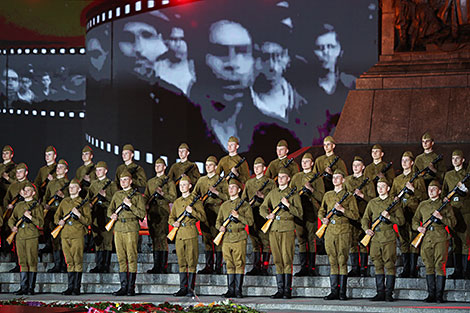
(70, 222)
(333, 222)
(278, 218)
(23, 225)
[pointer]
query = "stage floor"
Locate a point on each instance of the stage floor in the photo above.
(265, 304)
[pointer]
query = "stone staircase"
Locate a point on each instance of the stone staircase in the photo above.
(364, 287)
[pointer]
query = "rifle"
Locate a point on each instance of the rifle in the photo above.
(83, 182)
(177, 181)
(16, 199)
(122, 206)
(227, 222)
(7, 171)
(276, 210)
(255, 198)
(321, 231)
(311, 180)
(98, 196)
(432, 219)
(181, 218)
(231, 174)
(383, 171)
(46, 181)
(19, 223)
(434, 162)
(56, 197)
(328, 175)
(364, 182)
(156, 194)
(285, 166)
(57, 230)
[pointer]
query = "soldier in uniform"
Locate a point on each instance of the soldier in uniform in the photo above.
(139, 179)
(186, 243)
(27, 237)
(323, 161)
(375, 168)
(436, 240)
(217, 195)
(45, 175)
(409, 203)
(305, 229)
(358, 253)
(50, 207)
(7, 169)
(159, 193)
(461, 204)
(338, 234)
(126, 231)
(86, 172)
(425, 160)
(101, 193)
(184, 166)
(256, 189)
(282, 150)
(228, 162)
(75, 217)
(383, 247)
(281, 232)
(234, 240)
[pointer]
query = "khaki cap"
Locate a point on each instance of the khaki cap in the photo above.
(234, 181)
(259, 160)
(408, 154)
(183, 146)
(128, 147)
(282, 143)
(339, 171)
(8, 148)
(102, 164)
(51, 149)
(284, 170)
(63, 162)
(22, 166)
(377, 146)
(435, 183)
(160, 161)
(87, 149)
(233, 139)
(307, 155)
(427, 136)
(457, 152)
(125, 173)
(329, 139)
(212, 159)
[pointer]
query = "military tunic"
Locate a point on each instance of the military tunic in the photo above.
(139, 179)
(42, 176)
(409, 204)
(339, 231)
(383, 247)
(178, 169)
(306, 227)
(422, 161)
(126, 228)
(72, 235)
(8, 168)
(159, 210)
(228, 162)
(80, 174)
(460, 202)
(211, 207)
(259, 240)
(281, 232)
(435, 242)
(275, 165)
(28, 234)
(186, 244)
(13, 191)
(52, 187)
(322, 162)
(372, 170)
(103, 239)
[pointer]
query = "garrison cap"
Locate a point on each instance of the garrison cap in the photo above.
(102, 164)
(329, 139)
(307, 155)
(427, 136)
(358, 158)
(284, 170)
(234, 181)
(125, 173)
(377, 146)
(383, 180)
(128, 147)
(259, 160)
(74, 182)
(8, 148)
(183, 146)
(51, 149)
(408, 154)
(27, 183)
(22, 166)
(212, 159)
(87, 149)
(160, 161)
(436, 183)
(63, 162)
(233, 139)
(339, 171)
(282, 143)
(185, 178)
(457, 152)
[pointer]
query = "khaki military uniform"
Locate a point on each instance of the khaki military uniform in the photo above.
(13, 191)
(306, 227)
(42, 176)
(80, 174)
(409, 204)
(339, 232)
(461, 207)
(372, 170)
(422, 161)
(281, 232)
(103, 239)
(435, 242)
(352, 183)
(139, 179)
(322, 162)
(275, 165)
(9, 168)
(228, 162)
(259, 240)
(178, 169)
(234, 240)
(211, 207)
(28, 234)
(126, 229)
(72, 235)
(159, 210)
(49, 224)
(186, 244)
(383, 247)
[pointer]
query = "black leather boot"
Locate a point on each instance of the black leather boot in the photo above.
(380, 285)
(99, 262)
(131, 284)
(312, 269)
(458, 270)
(23, 284)
(406, 266)
(107, 261)
(440, 286)
(71, 284)
(363, 264)
(77, 284)
(123, 290)
(57, 262)
(303, 265)
(164, 262)
(465, 266)
(265, 264)
(156, 263)
(280, 287)
(31, 282)
(354, 258)
(334, 294)
(230, 286)
(256, 264)
(218, 262)
(431, 282)
(287, 286)
(343, 285)
(414, 269)
(239, 285)
(191, 284)
(389, 288)
(183, 285)
(209, 268)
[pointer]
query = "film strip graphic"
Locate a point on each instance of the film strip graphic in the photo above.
(131, 8)
(42, 51)
(44, 113)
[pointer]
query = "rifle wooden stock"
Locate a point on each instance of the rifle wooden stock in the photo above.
(172, 234)
(56, 197)
(156, 193)
(177, 181)
(321, 231)
(18, 224)
(57, 230)
(8, 211)
(278, 207)
(227, 222)
(252, 201)
(111, 222)
(311, 180)
(97, 196)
